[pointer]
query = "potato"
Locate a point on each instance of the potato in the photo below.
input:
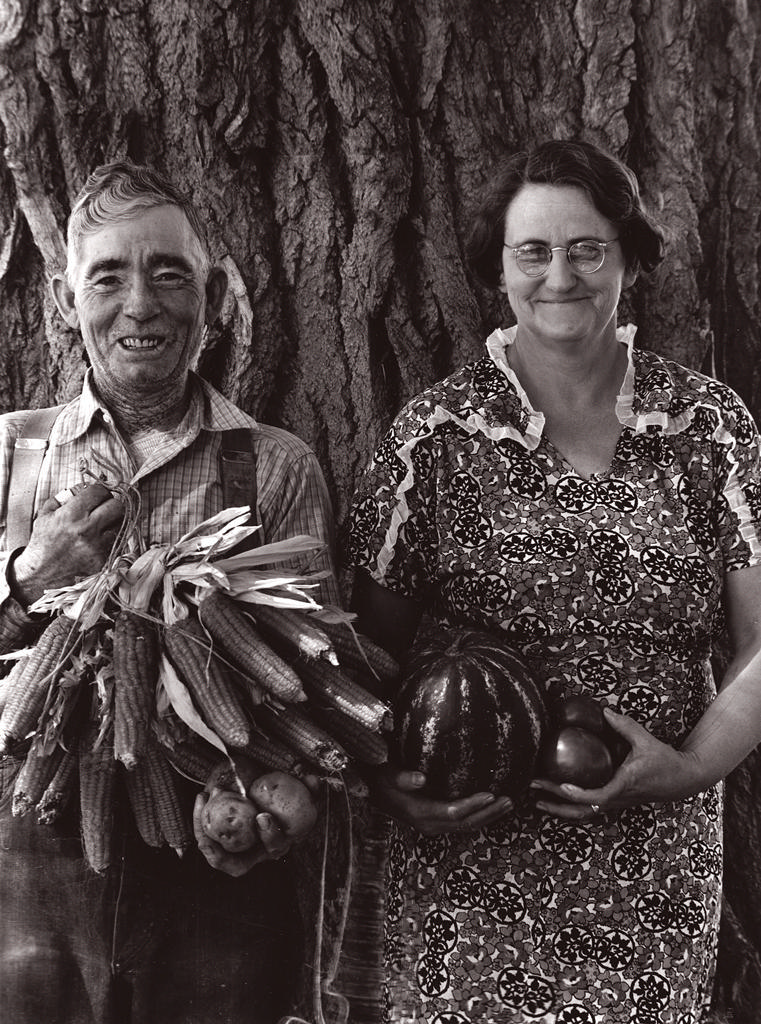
(230, 820)
(223, 776)
(288, 800)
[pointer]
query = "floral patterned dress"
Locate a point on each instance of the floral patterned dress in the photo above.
(610, 586)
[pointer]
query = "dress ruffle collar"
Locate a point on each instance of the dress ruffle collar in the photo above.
(646, 398)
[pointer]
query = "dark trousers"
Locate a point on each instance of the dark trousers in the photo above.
(154, 940)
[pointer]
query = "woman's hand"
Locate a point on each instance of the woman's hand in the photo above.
(398, 793)
(272, 845)
(652, 773)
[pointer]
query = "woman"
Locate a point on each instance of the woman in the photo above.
(597, 505)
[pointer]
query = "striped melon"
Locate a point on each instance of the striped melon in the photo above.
(469, 715)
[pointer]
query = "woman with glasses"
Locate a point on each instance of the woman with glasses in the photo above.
(596, 505)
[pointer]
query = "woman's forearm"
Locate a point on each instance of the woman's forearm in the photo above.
(730, 728)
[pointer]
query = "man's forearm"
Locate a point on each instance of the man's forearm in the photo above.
(17, 629)
(25, 582)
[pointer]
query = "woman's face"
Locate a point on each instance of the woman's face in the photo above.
(562, 305)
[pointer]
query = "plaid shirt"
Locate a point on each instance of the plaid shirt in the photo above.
(179, 483)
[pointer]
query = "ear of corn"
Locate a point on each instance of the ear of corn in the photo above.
(141, 801)
(193, 760)
(252, 692)
(60, 789)
(209, 686)
(359, 742)
(29, 682)
(136, 666)
(356, 651)
(326, 684)
(38, 769)
(174, 827)
(3, 692)
(296, 631)
(272, 754)
(97, 773)
(303, 736)
(244, 647)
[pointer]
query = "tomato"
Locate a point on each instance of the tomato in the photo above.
(583, 748)
(578, 756)
(582, 711)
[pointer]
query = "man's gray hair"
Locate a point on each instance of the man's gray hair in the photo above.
(114, 190)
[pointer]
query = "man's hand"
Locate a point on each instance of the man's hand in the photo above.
(273, 843)
(398, 794)
(68, 542)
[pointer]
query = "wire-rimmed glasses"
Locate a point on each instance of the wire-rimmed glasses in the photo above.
(586, 256)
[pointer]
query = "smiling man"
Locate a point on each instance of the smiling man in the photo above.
(154, 939)
(140, 290)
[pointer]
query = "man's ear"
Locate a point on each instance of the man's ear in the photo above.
(216, 289)
(63, 295)
(630, 276)
(501, 283)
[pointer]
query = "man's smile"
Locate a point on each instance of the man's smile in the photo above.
(150, 342)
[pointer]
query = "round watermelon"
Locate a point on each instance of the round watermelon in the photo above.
(469, 714)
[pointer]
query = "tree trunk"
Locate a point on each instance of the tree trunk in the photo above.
(335, 147)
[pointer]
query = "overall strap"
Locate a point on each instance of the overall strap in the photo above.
(28, 453)
(237, 468)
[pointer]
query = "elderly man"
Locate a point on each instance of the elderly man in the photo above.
(154, 940)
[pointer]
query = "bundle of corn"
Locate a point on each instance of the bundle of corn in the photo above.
(268, 682)
(173, 658)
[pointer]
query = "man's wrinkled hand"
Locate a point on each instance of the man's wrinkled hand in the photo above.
(69, 541)
(273, 844)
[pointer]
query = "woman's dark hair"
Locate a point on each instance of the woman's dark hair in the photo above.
(609, 183)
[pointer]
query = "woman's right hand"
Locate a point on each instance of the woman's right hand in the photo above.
(398, 793)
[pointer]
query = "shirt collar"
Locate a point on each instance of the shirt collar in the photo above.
(208, 410)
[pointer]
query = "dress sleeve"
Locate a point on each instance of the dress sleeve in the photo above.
(393, 528)
(738, 478)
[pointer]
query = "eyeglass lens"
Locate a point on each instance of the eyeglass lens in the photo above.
(586, 257)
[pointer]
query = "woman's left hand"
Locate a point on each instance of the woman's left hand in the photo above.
(652, 773)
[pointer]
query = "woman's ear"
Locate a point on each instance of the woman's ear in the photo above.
(630, 276)
(216, 289)
(63, 296)
(501, 282)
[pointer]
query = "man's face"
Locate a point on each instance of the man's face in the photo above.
(137, 291)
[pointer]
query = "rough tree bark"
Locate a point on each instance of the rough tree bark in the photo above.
(335, 147)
